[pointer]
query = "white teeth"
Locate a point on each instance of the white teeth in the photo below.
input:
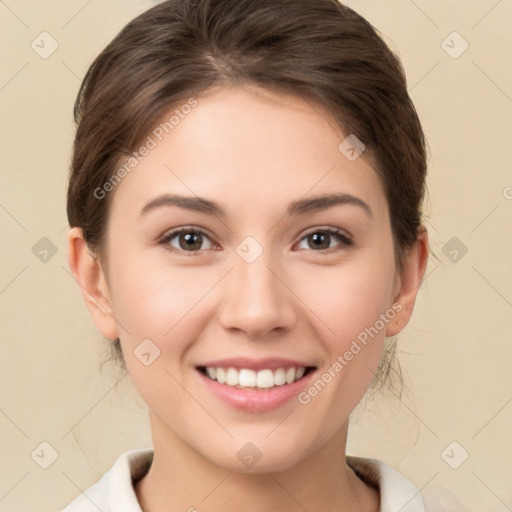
(279, 377)
(247, 378)
(232, 377)
(263, 379)
(221, 375)
(290, 375)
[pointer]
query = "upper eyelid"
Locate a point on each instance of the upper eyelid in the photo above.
(331, 230)
(186, 229)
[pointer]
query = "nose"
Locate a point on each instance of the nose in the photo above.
(256, 300)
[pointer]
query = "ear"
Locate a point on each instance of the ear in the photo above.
(408, 282)
(89, 274)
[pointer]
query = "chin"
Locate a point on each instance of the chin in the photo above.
(256, 458)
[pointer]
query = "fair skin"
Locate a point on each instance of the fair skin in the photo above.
(253, 152)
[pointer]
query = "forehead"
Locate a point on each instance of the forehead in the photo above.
(247, 148)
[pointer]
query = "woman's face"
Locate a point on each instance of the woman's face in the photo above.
(252, 283)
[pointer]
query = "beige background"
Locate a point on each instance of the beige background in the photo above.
(456, 352)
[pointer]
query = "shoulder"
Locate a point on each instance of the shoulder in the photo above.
(399, 493)
(114, 491)
(396, 491)
(438, 498)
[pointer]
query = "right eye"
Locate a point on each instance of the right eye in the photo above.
(186, 240)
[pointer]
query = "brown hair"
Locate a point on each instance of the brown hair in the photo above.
(318, 49)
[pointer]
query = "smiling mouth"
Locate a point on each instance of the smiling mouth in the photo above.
(245, 378)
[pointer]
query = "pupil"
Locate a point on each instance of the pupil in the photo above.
(191, 241)
(318, 238)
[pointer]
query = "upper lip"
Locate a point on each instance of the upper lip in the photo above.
(256, 364)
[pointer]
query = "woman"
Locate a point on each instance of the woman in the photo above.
(245, 208)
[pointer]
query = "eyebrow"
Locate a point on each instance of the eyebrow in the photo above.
(299, 207)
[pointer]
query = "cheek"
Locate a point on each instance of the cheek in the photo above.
(163, 304)
(348, 305)
(350, 298)
(156, 298)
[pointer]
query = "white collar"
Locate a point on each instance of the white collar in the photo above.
(396, 492)
(114, 492)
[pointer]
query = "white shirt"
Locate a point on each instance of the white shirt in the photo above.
(114, 492)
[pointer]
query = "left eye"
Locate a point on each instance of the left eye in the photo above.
(188, 240)
(321, 238)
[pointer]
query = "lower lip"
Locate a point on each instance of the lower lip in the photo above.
(256, 400)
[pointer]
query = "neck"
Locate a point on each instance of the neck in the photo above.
(180, 478)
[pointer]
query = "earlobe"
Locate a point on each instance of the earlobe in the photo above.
(409, 282)
(89, 274)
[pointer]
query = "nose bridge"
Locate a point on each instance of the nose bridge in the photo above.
(256, 300)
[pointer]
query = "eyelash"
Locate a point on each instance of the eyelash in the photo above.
(345, 240)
